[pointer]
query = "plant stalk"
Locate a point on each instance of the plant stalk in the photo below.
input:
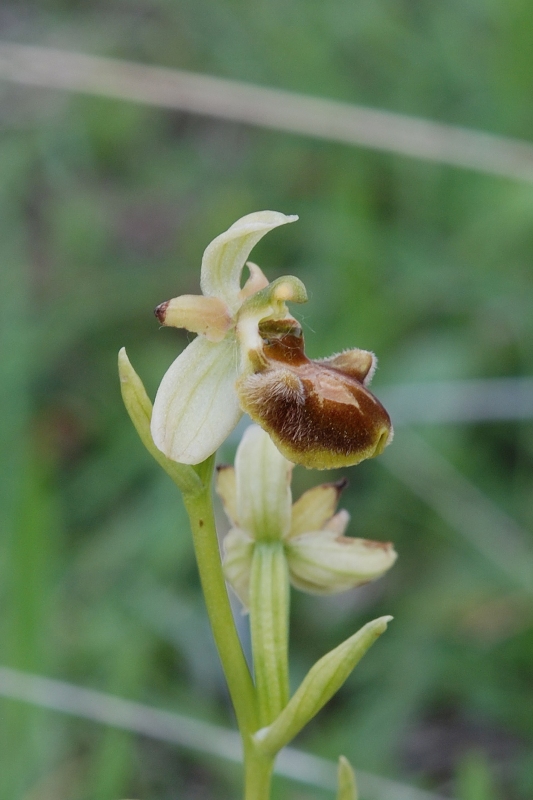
(258, 775)
(243, 695)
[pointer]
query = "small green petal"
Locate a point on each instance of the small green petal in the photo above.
(226, 256)
(263, 486)
(226, 488)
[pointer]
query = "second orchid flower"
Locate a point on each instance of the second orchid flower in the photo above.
(257, 499)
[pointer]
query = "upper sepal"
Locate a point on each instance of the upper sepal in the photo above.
(226, 256)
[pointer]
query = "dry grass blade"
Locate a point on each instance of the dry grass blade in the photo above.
(459, 401)
(186, 732)
(268, 108)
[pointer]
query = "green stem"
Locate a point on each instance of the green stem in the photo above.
(269, 624)
(200, 509)
(258, 775)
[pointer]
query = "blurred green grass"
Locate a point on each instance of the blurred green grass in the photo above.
(106, 208)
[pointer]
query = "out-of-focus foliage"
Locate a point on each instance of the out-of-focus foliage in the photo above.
(105, 209)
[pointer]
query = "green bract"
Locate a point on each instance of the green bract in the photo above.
(322, 681)
(196, 406)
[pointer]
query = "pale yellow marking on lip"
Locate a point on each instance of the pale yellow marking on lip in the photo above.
(329, 388)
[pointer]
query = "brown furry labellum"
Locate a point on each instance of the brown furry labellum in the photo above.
(318, 413)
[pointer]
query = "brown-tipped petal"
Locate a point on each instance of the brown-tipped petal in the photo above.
(315, 507)
(255, 282)
(346, 781)
(324, 563)
(226, 488)
(316, 415)
(207, 315)
(359, 364)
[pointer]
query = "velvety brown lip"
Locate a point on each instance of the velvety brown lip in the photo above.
(317, 412)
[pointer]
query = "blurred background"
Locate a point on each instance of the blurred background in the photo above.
(106, 208)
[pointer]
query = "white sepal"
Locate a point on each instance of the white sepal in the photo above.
(196, 406)
(237, 563)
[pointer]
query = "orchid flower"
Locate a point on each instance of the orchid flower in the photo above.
(249, 356)
(257, 499)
